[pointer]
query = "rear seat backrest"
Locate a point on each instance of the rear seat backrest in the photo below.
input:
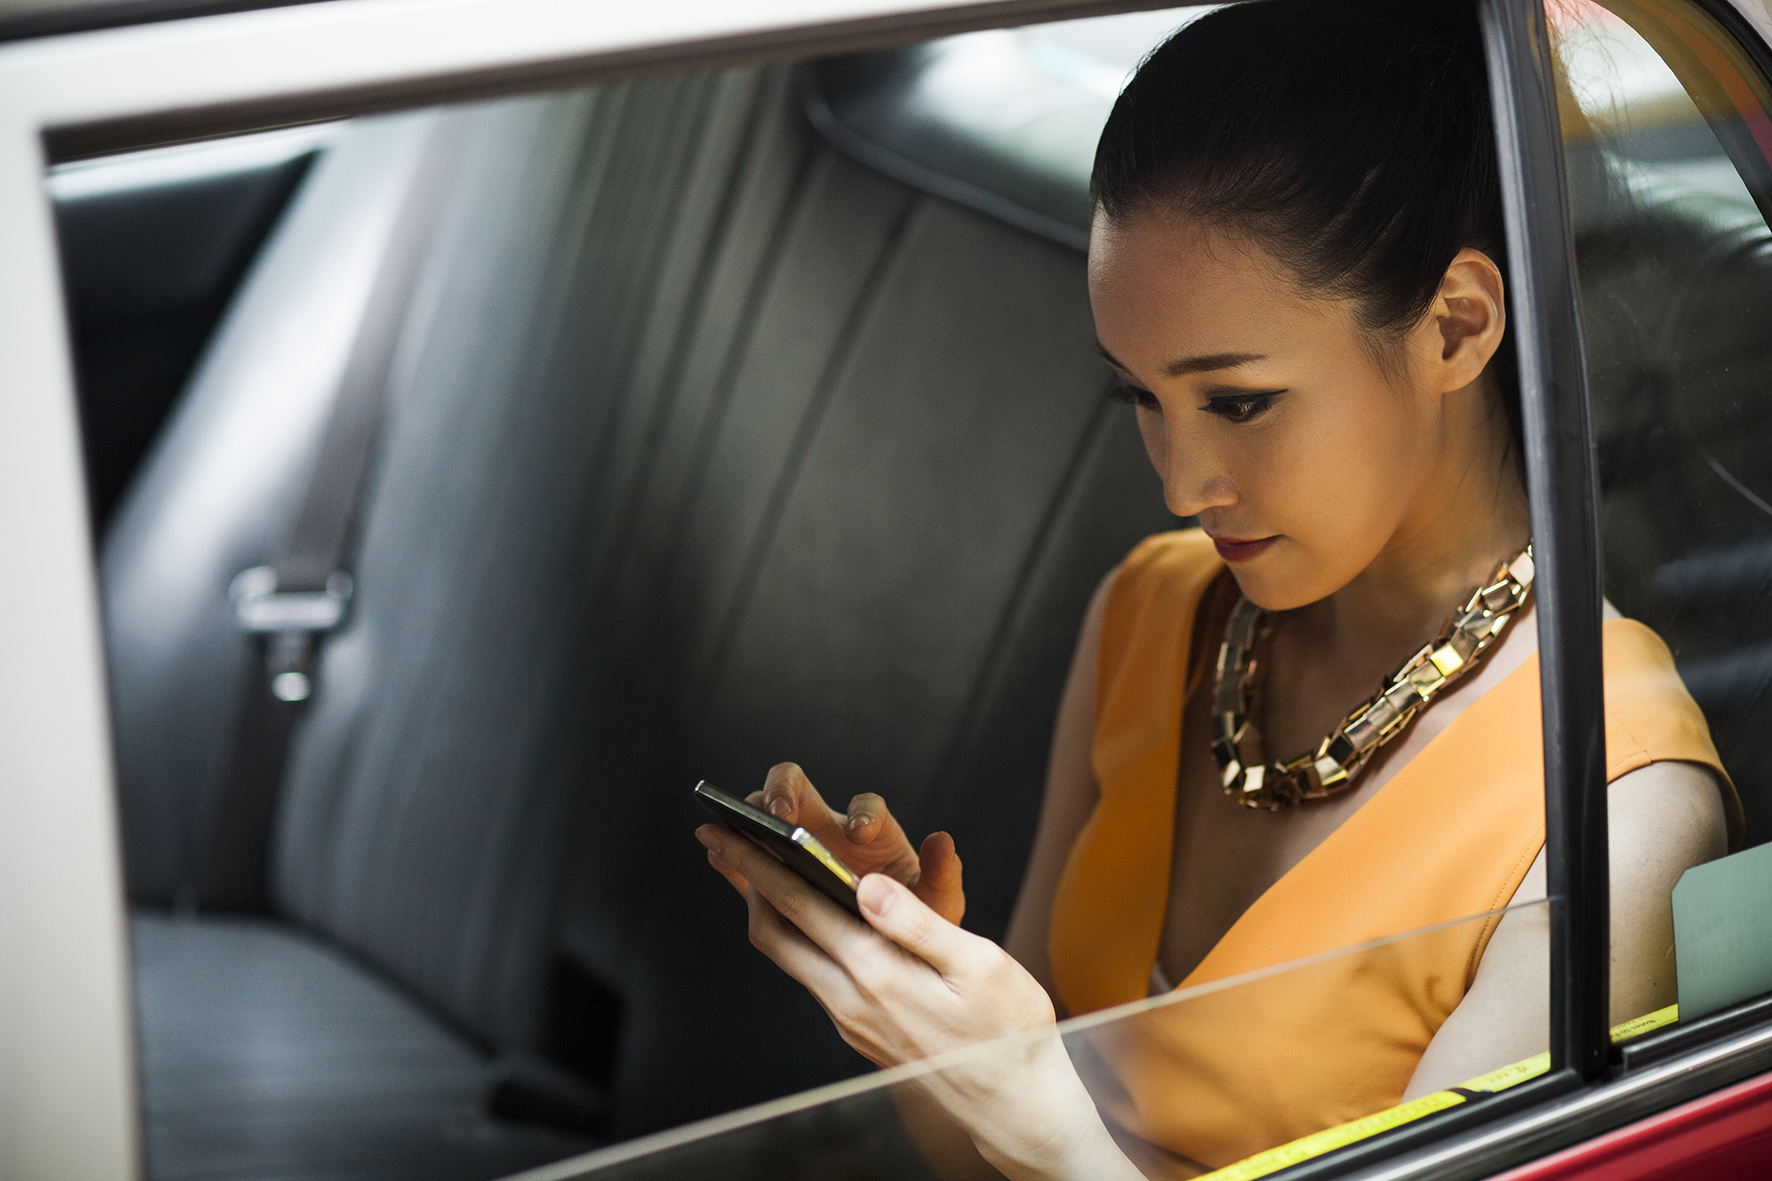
(868, 515)
(422, 814)
(217, 496)
(428, 799)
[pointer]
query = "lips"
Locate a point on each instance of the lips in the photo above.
(1233, 550)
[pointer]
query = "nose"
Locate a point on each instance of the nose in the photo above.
(1193, 479)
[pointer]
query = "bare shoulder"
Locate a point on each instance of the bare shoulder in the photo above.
(1664, 819)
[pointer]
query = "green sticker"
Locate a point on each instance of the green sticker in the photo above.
(1723, 931)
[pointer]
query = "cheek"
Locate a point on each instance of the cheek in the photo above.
(1338, 483)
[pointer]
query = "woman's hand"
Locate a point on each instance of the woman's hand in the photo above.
(868, 839)
(909, 985)
(926, 988)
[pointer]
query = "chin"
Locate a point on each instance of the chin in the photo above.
(1268, 593)
(1280, 585)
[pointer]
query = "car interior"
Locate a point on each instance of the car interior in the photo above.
(691, 425)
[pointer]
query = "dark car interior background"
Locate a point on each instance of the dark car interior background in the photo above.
(729, 418)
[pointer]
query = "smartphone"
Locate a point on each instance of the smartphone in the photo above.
(789, 844)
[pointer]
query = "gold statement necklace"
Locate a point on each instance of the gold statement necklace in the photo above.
(1339, 758)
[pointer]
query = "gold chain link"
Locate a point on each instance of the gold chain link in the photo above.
(1242, 667)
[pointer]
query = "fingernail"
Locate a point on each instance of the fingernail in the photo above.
(714, 860)
(781, 807)
(708, 835)
(876, 894)
(859, 821)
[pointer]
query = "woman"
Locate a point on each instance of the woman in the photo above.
(1295, 271)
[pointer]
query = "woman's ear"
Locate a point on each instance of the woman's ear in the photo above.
(1464, 324)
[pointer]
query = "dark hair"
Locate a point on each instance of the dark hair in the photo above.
(1352, 139)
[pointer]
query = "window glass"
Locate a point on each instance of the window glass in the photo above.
(1197, 1078)
(1667, 138)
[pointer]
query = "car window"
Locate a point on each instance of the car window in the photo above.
(1189, 1080)
(690, 457)
(1668, 140)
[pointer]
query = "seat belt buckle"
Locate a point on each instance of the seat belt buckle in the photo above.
(290, 621)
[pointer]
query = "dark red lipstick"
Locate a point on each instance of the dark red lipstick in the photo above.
(1232, 550)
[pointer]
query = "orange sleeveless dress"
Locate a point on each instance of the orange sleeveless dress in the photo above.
(1217, 1078)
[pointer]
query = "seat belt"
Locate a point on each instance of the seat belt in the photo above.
(287, 608)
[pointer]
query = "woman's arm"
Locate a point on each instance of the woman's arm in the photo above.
(1071, 795)
(1661, 821)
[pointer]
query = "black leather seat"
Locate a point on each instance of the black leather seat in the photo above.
(707, 447)
(431, 897)
(272, 1053)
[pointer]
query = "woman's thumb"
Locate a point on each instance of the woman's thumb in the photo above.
(893, 910)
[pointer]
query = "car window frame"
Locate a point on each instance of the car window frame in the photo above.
(1562, 483)
(24, 19)
(67, 1089)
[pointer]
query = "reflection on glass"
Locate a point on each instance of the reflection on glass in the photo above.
(1668, 140)
(1633, 107)
(1189, 1082)
(1667, 136)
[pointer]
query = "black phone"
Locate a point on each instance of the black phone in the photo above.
(789, 844)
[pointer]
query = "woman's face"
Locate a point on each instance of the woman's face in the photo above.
(1264, 411)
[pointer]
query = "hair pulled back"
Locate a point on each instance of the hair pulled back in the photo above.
(1351, 139)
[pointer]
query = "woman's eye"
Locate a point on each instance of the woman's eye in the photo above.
(1132, 395)
(1241, 407)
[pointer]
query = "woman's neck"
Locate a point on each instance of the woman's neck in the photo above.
(1449, 543)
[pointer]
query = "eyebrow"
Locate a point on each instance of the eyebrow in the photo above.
(1208, 363)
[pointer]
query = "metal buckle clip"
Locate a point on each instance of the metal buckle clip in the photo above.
(289, 621)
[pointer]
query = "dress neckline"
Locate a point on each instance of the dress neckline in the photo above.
(1325, 849)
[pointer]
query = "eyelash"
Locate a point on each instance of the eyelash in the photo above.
(1234, 408)
(1241, 408)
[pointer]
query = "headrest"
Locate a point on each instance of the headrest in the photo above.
(1004, 121)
